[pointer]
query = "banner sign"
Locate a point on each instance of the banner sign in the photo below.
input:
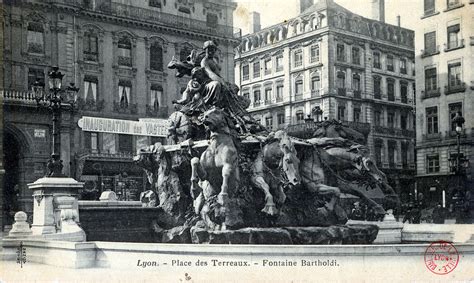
(145, 127)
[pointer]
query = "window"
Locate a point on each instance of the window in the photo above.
(299, 116)
(211, 20)
(245, 72)
(279, 63)
(379, 152)
(90, 89)
(281, 118)
(256, 69)
(125, 51)
(391, 90)
(403, 121)
(432, 120)
(91, 141)
(377, 118)
(35, 39)
(156, 57)
(432, 164)
(377, 60)
(268, 95)
(257, 97)
(403, 66)
(453, 3)
(356, 84)
(341, 83)
(404, 92)
(454, 36)
(315, 85)
(431, 80)
(454, 108)
(390, 119)
(390, 63)
(377, 87)
(268, 66)
(430, 43)
(279, 93)
(124, 93)
(392, 153)
(355, 55)
(35, 75)
(184, 53)
(156, 92)
(154, 3)
(340, 53)
(429, 7)
(246, 95)
(454, 74)
(357, 115)
(341, 113)
(125, 143)
(299, 89)
(314, 54)
(298, 58)
(90, 47)
(269, 122)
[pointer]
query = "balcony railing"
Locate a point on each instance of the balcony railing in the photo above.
(450, 89)
(377, 95)
(391, 96)
(17, 97)
(159, 112)
(268, 101)
(124, 61)
(90, 104)
(126, 108)
(394, 131)
(279, 98)
(245, 77)
(315, 93)
(404, 99)
(256, 103)
(341, 91)
(431, 137)
(298, 97)
(357, 93)
(454, 45)
(430, 51)
(430, 93)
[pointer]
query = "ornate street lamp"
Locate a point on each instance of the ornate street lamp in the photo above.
(53, 99)
(460, 162)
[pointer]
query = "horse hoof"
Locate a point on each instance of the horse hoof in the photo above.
(270, 210)
(222, 198)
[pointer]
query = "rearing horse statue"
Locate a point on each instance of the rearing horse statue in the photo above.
(275, 167)
(219, 162)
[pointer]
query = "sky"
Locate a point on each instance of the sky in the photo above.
(276, 11)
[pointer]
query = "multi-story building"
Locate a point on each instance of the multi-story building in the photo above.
(116, 51)
(356, 70)
(445, 86)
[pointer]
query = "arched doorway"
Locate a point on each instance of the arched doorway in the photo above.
(11, 180)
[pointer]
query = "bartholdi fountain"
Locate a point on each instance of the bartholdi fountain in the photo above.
(224, 178)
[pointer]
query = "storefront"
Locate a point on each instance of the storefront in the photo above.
(105, 160)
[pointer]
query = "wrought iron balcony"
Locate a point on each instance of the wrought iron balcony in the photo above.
(357, 93)
(298, 96)
(454, 45)
(159, 112)
(124, 61)
(90, 104)
(430, 93)
(245, 77)
(450, 89)
(315, 93)
(430, 51)
(341, 91)
(279, 98)
(126, 108)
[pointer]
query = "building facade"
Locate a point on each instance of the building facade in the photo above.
(445, 86)
(116, 52)
(356, 70)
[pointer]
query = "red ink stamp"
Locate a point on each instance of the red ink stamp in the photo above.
(441, 257)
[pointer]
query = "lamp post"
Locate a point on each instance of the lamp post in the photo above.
(53, 99)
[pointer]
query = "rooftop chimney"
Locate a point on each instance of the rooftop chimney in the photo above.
(398, 20)
(378, 10)
(305, 4)
(254, 24)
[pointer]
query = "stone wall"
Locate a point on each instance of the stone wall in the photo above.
(118, 221)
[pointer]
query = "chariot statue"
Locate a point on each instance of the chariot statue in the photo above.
(223, 177)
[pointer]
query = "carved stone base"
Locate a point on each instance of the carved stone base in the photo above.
(347, 234)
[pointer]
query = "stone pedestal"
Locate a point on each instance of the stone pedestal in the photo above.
(20, 228)
(55, 208)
